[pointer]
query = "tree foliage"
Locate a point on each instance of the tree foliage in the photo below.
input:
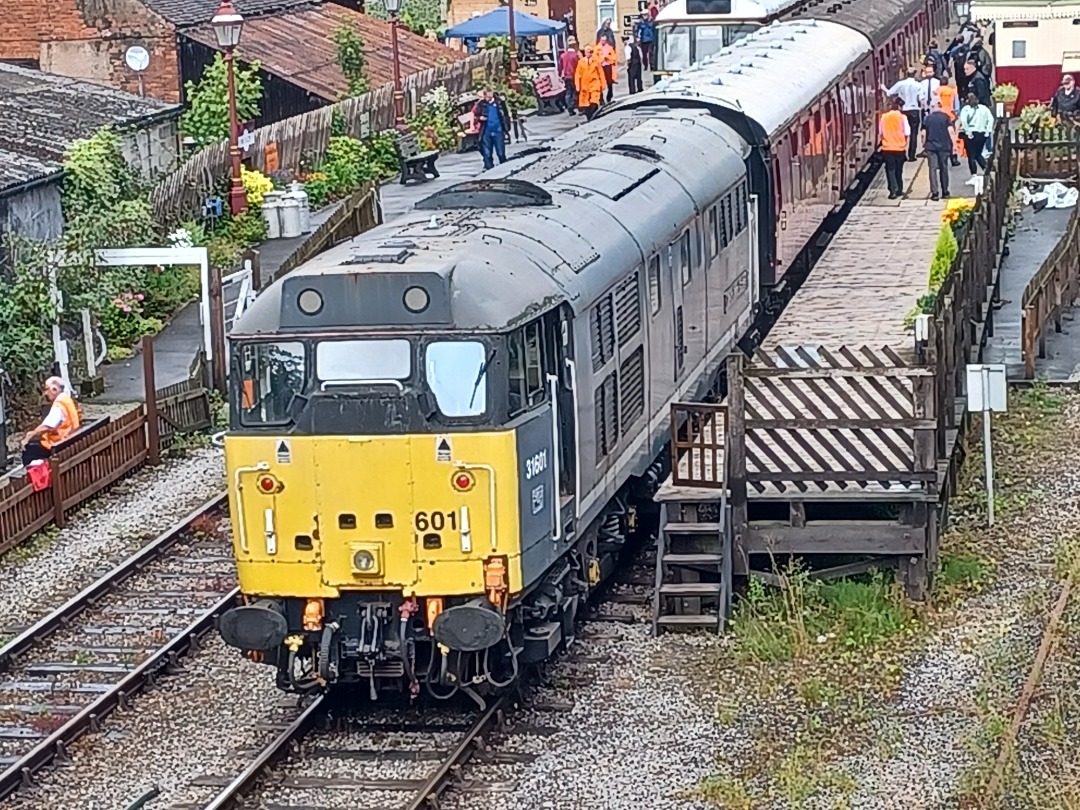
(207, 117)
(350, 58)
(27, 312)
(419, 16)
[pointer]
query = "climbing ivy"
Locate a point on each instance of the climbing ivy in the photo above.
(26, 312)
(207, 118)
(419, 16)
(350, 58)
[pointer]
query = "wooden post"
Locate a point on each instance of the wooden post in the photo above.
(735, 441)
(153, 439)
(217, 331)
(57, 491)
(256, 269)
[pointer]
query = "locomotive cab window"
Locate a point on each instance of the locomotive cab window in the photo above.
(362, 361)
(654, 284)
(526, 370)
(272, 374)
(456, 372)
(684, 257)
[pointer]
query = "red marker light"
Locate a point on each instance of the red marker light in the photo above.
(463, 481)
(267, 484)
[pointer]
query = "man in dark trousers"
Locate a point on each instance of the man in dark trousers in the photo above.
(567, 68)
(633, 64)
(895, 132)
(493, 121)
(938, 138)
(978, 84)
(645, 34)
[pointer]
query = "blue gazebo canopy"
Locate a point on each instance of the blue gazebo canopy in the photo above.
(496, 23)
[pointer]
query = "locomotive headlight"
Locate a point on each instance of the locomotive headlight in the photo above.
(366, 561)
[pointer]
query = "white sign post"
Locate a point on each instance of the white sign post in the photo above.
(987, 392)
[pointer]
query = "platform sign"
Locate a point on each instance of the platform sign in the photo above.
(987, 392)
(443, 449)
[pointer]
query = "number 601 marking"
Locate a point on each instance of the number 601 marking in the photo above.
(436, 521)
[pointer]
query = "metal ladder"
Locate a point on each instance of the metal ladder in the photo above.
(678, 573)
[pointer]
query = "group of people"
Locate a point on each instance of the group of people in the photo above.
(925, 113)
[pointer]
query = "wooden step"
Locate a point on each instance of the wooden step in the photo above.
(692, 528)
(687, 621)
(700, 558)
(690, 589)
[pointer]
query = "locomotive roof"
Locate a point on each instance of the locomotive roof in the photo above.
(763, 81)
(877, 19)
(675, 11)
(561, 222)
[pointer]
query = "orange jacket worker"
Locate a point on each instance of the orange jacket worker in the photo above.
(62, 420)
(895, 131)
(590, 82)
(608, 60)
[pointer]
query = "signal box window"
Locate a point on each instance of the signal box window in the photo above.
(272, 374)
(456, 373)
(526, 369)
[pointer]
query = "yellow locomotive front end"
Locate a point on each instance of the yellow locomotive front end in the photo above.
(394, 498)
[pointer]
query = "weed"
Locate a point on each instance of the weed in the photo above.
(29, 548)
(82, 658)
(725, 792)
(962, 574)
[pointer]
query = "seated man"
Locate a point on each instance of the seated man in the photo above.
(63, 420)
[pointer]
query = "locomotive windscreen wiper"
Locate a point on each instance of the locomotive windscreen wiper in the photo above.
(480, 376)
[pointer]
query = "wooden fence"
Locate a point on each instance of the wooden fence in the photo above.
(1051, 292)
(1049, 153)
(93, 463)
(302, 140)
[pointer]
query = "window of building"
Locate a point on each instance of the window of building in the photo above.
(1019, 49)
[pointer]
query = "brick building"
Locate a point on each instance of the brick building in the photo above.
(88, 40)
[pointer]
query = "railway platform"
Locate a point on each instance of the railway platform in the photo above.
(837, 438)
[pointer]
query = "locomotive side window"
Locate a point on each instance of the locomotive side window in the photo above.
(526, 369)
(363, 360)
(654, 284)
(456, 373)
(272, 374)
(713, 235)
(684, 257)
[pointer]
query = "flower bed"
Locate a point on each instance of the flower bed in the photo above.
(954, 218)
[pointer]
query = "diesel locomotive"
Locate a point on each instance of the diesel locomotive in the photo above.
(443, 431)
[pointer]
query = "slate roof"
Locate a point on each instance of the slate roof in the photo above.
(185, 13)
(41, 114)
(297, 47)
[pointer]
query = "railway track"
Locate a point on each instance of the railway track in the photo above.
(61, 676)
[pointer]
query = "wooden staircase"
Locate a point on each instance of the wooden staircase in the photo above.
(693, 566)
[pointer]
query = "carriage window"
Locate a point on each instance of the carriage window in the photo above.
(654, 284)
(526, 369)
(363, 360)
(713, 235)
(456, 373)
(684, 257)
(272, 374)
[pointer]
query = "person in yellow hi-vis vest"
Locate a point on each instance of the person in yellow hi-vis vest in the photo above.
(895, 131)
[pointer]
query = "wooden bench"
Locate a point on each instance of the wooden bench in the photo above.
(472, 132)
(85, 429)
(415, 165)
(550, 94)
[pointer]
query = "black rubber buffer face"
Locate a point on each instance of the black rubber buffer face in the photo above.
(253, 627)
(469, 628)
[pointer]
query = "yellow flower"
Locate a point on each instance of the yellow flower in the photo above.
(256, 184)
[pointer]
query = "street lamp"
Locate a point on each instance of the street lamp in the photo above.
(515, 85)
(227, 25)
(962, 9)
(393, 7)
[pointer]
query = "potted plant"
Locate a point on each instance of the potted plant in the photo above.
(1007, 94)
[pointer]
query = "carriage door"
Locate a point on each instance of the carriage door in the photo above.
(679, 271)
(559, 331)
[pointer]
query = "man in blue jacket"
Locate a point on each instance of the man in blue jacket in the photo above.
(645, 34)
(493, 120)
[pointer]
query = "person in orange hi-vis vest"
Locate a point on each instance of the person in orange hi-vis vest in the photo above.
(590, 82)
(895, 131)
(62, 420)
(947, 94)
(608, 58)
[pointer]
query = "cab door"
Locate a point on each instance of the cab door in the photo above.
(677, 273)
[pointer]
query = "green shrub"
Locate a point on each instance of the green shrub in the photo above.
(944, 254)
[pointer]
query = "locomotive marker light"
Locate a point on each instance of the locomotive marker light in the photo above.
(416, 300)
(366, 560)
(310, 302)
(463, 481)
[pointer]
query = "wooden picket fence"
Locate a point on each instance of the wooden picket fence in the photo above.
(302, 139)
(95, 462)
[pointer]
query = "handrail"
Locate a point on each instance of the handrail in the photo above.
(1050, 292)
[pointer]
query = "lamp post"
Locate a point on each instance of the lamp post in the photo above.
(515, 85)
(393, 7)
(962, 8)
(227, 25)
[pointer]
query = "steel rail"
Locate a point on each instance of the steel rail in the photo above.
(54, 747)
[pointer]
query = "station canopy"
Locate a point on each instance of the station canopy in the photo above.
(496, 23)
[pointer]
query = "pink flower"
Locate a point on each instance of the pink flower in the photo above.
(140, 297)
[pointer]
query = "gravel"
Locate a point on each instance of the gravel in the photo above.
(42, 574)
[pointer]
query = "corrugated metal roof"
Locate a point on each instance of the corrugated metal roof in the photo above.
(41, 114)
(183, 13)
(297, 47)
